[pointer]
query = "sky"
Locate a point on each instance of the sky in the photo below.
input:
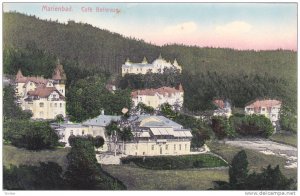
(243, 26)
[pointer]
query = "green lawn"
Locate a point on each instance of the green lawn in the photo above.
(256, 160)
(18, 156)
(136, 178)
(285, 138)
(176, 162)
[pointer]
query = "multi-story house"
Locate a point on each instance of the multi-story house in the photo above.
(223, 108)
(45, 98)
(157, 66)
(159, 96)
(267, 107)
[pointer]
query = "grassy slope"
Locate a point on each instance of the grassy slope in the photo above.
(18, 156)
(256, 160)
(290, 139)
(136, 178)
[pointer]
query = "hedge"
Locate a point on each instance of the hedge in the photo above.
(175, 162)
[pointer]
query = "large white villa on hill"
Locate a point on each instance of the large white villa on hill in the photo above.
(45, 98)
(157, 66)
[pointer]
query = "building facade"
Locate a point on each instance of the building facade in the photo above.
(157, 66)
(267, 107)
(93, 127)
(159, 96)
(45, 98)
(223, 108)
(154, 136)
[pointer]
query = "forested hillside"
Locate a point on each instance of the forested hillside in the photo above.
(34, 45)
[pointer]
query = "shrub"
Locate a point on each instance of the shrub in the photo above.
(176, 162)
(47, 176)
(222, 127)
(252, 125)
(30, 135)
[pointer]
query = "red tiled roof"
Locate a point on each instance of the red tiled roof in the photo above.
(165, 91)
(44, 92)
(267, 103)
(37, 80)
(219, 103)
(264, 103)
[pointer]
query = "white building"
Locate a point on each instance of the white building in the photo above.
(157, 66)
(154, 135)
(45, 98)
(93, 127)
(223, 108)
(159, 96)
(267, 107)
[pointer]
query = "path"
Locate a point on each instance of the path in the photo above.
(270, 148)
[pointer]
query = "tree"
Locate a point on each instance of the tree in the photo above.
(59, 118)
(98, 141)
(288, 119)
(222, 127)
(46, 176)
(88, 96)
(30, 135)
(125, 134)
(166, 110)
(253, 125)
(10, 108)
(112, 127)
(83, 169)
(145, 109)
(268, 179)
(238, 171)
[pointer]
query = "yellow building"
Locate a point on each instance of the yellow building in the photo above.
(152, 136)
(267, 107)
(45, 98)
(159, 96)
(157, 66)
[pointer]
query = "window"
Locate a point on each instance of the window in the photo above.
(54, 96)
(167, 146)
(50, 105)
(60, 104)
(55, 105)
(82, 132)
(71, 132)
(186, 146)
(179, 146)
(148, 102)
(174, 146)
(152, 147)
(41, 104)
(263, 109)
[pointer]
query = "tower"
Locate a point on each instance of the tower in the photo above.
(59, 78)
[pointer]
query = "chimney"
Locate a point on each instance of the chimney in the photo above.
(102, 112)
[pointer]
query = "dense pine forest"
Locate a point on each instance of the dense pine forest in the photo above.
(34, 45)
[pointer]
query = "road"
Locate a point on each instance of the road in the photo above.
(270, 148)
